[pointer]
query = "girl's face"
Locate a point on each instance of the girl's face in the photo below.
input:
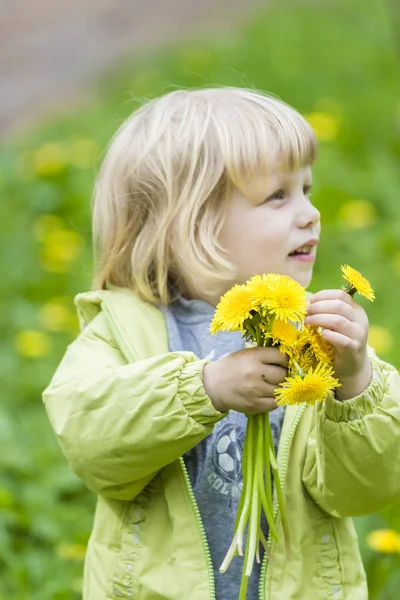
(274, 228)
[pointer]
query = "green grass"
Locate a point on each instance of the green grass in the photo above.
(331, 57)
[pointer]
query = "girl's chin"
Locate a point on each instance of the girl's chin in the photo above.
(303, 279)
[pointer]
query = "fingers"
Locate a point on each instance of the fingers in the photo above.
(333, 295)
(340, 340)
(332, 307)
(336, 312)
(268, 404)
(271, 356)
(273, 374)
(264, 405)
(334, 322)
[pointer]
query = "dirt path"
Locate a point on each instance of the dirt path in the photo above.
(50, 49)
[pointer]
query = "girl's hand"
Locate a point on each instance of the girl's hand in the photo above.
(345, 325)
(246, 380)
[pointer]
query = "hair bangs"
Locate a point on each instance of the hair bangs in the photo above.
(259, 132)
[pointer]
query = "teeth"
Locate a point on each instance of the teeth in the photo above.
(304, 250)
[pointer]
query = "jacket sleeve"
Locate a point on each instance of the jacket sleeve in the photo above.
(352, 462)
(118, 424)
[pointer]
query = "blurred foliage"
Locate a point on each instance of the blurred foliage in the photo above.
(336, 62)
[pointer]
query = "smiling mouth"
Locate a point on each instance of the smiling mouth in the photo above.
(303, 250)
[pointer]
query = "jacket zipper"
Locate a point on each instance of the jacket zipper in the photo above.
(124, 349)
(201, 528)
(129, 359)
(285, 456)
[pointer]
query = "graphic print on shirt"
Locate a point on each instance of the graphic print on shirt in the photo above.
(225, 474)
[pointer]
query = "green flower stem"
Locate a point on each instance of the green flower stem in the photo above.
(230, 555)
(264, 542)
(250, 328)
(233, 549)
(245, 580)
(247, 488)
(244, 476)
(349, 290)
(267, 453)
(262, 455)
(279, 493)
(254, 523)
(298, 367)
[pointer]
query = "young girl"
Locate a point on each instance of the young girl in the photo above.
(201, 190)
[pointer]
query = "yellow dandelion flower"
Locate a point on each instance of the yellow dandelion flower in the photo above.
(306, 360)
(386, 541)
(46, 225)
(49, 160)
(71, 551)
(325, 125)
(323, 350)
(56, 316)
(286, 300)
(357, 214)
(357, 283)
(283, 333)
(314, 387)
(83, 153)
(233, 309)
(259, 287)
(60, 248)
(32, 344)
(301, 343)
(380, 339)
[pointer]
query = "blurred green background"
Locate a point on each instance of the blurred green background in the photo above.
(336, 62)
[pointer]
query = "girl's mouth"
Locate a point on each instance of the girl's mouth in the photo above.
(304, 253)
(302, 256)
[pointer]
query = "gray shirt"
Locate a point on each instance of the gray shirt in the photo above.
(214, 465)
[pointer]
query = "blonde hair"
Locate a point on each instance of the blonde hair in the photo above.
(161, 193)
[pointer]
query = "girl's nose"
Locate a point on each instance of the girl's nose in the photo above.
(308, 215)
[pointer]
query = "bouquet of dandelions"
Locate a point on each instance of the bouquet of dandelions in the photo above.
(270, 310)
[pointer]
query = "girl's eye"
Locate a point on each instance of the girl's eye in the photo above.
(278, 195)
(307, 190)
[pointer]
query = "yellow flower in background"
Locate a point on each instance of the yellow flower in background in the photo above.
(61, 245)
(82, 153)
(71, 551)
(380, 338)
(314, 387)
(49, 160)
(357, 283)
(325, 125)
(47, 224)
(357, 214)
(60, 248)
(56, 316)
(386, 541)
(233, 309)
(32, 344)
